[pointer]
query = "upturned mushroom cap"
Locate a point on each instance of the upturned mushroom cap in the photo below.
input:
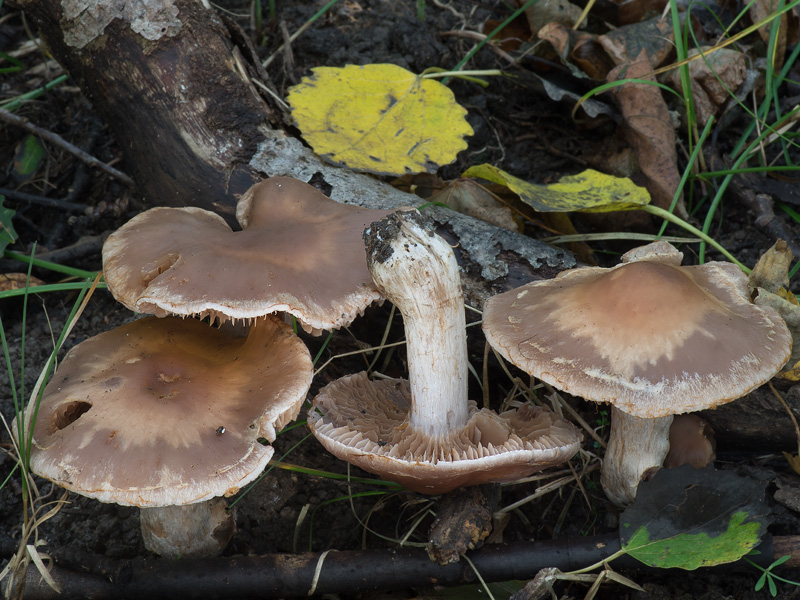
(366, 423)
(300, 252)
(649, 336)
(424, 432)
(168, 411)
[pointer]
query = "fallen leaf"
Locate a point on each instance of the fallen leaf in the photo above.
(787, 31)
(626, 44)
(510, 37)
(7, 233)
(794, 461)
(589, 191)
(688, 518)
(27, 158)
(379, 118)
(470, 198)
(771, 272)
(636, 11)
(543, 12)
(17, 281)
(649, 131)
(578, 51)
(709, 77)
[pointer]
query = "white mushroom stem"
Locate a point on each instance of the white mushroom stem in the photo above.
(199, 530)
(417, 271)
(635, 446)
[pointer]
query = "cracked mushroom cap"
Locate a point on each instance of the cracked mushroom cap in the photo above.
(366, 424)
(168, 411)
(300, 252)
(649, 336)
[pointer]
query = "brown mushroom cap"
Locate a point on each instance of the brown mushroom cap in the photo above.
(300, 253)
(366, 423)
(651, 337)
(168, 411)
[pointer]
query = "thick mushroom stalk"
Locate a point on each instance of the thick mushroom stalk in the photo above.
(636, 447)
(417, 271)
(425, 433)
(199, 530)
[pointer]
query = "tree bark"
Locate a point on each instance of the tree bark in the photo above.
(173, 80)
(172, 86)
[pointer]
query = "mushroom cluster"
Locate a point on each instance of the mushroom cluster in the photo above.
(172, 414)
(649, 336)
(424, 432)
(167, 414)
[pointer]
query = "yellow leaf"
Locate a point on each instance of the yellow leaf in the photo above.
(379, 118)
(589, 191)
(794, 461)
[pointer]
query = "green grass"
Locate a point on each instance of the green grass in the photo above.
(763, 127)
(34, 510)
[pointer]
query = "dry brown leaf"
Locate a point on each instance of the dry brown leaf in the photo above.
(636, 11)
(597, 55)
(564, 40)
(626, 44)
(543, 12)
(710, 76)
(17, 281)
(590, 56)
(794, 461)
(470, 198)
(788, 31)
(649, 131)
(771, 272)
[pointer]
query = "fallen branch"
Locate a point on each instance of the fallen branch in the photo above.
(56, 139)
(288, 575)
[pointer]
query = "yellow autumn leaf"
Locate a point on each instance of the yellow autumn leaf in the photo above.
(589, 191)
(379, 118)
(794, 461)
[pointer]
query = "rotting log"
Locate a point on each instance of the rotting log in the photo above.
(757, 422)
(294, 575)
(174, 81)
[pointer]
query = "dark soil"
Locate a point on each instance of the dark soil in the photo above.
(516, 128)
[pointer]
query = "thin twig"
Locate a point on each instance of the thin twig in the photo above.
(43, 200)
(475, 35)
(56, 139)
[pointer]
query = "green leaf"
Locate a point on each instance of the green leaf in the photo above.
(379, 118)
(7, 233)
(688, 518)
(589, 191)
(27, 158)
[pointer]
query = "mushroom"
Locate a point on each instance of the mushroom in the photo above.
(167, 414)
(300, 252)
(649, 336)
(424, 433)
(691, 442)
